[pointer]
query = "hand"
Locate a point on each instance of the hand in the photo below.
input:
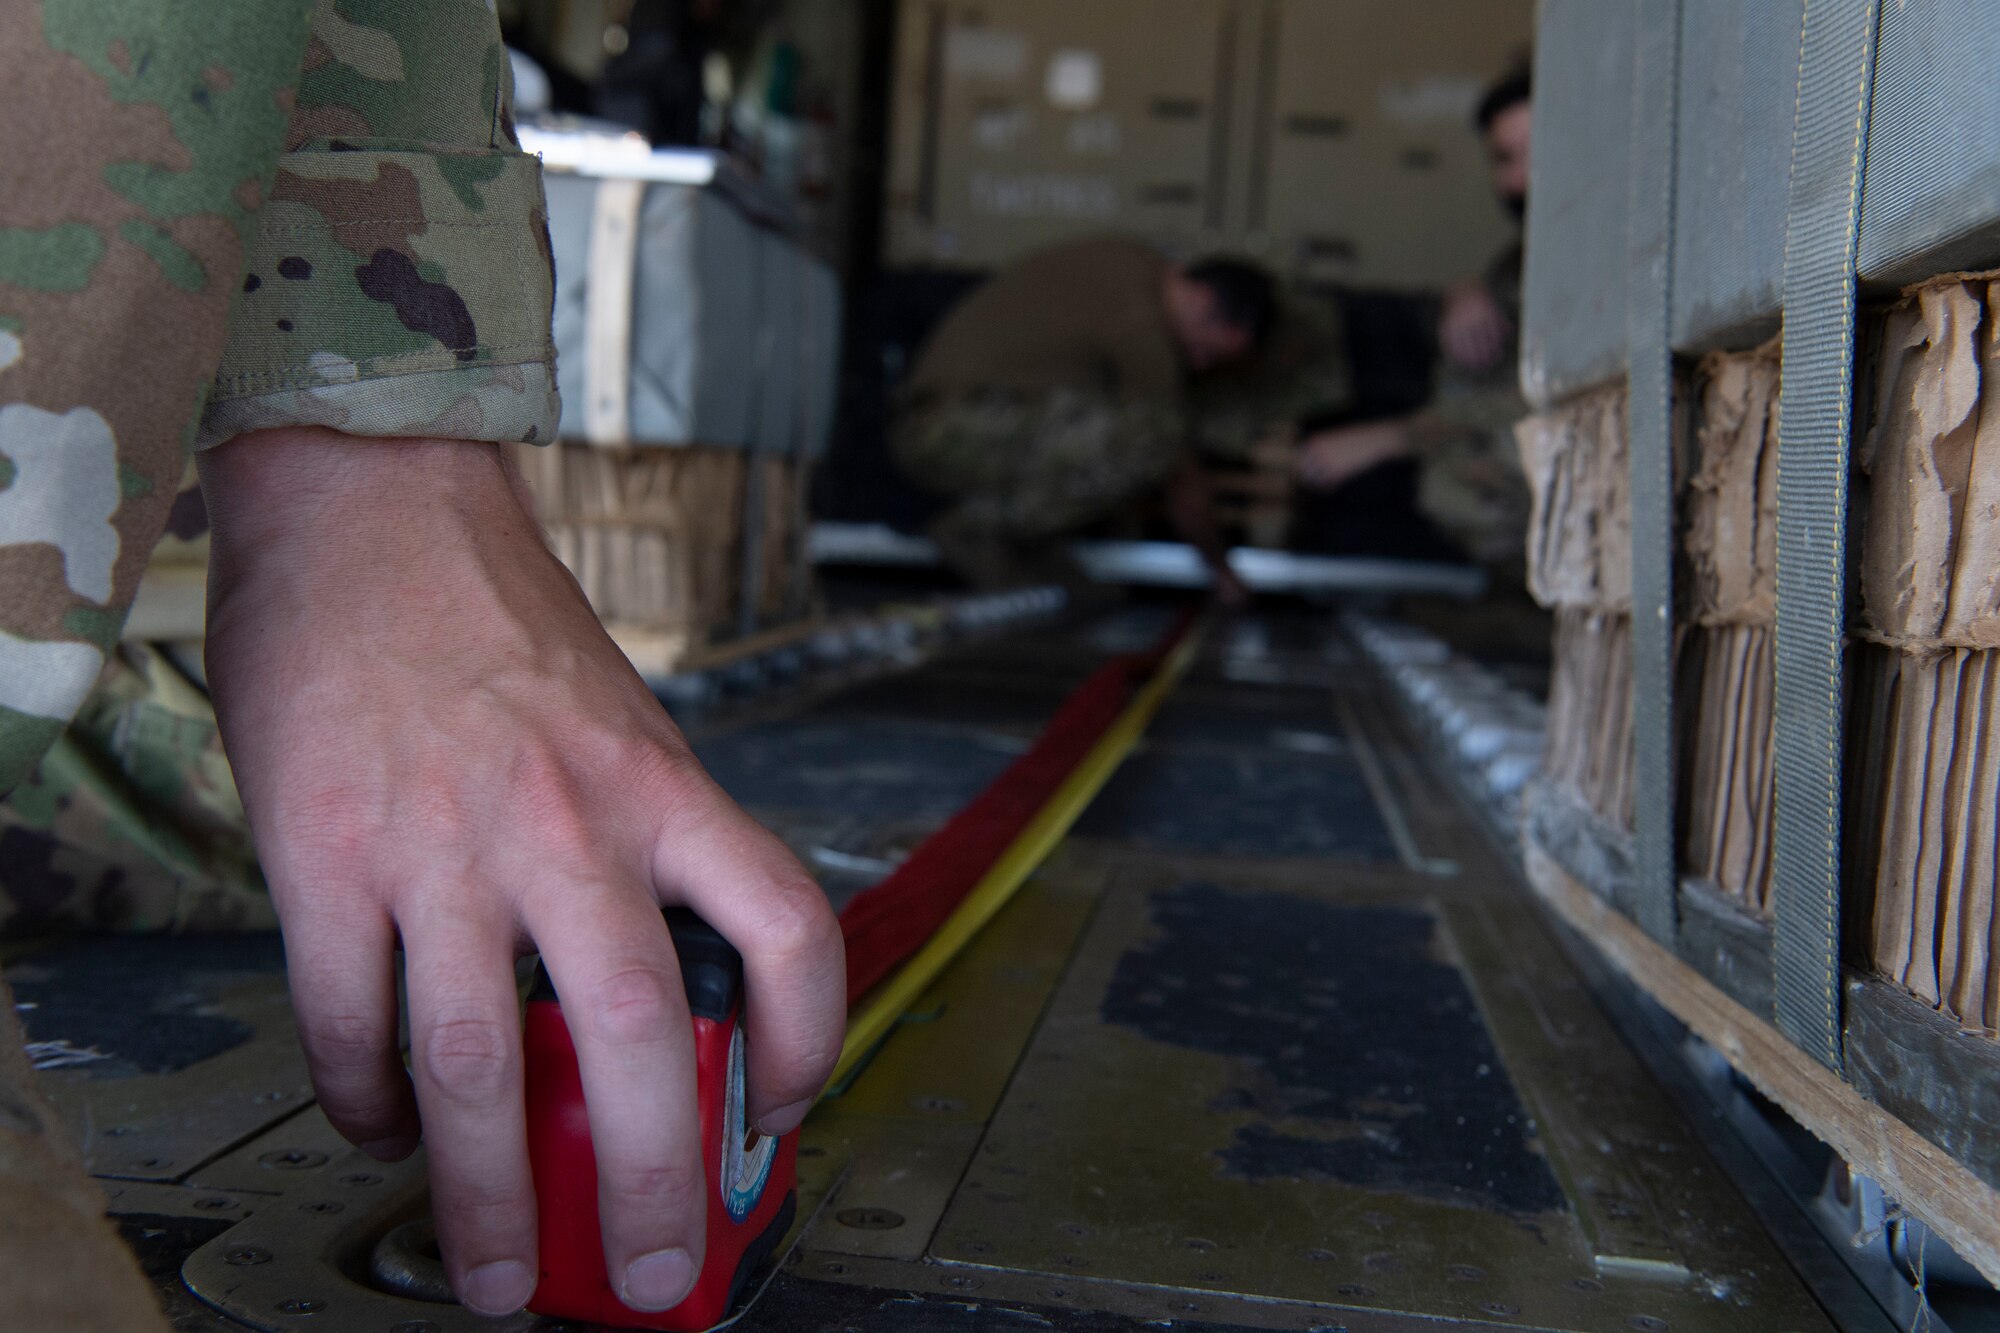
(1473, 331)
(1231, 593)
(440, 748)
(1329, 459)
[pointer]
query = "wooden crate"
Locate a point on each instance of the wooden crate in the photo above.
(661, 541)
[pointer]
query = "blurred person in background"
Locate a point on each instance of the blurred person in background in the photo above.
(1472, 487)
(1055, 395)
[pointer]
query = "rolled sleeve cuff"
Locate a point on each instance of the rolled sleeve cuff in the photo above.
(392, 292)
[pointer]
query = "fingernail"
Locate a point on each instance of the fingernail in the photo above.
(500, 1288)
(657, 1281)
(785, 1119)
(391, 1150)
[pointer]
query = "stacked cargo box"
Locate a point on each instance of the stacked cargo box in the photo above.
(697, 346)
(1907, 1084)
(1728, 610)
(1927, 669)
(1579, 566)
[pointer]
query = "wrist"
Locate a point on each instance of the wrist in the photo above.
(336, 494)
(297, 513)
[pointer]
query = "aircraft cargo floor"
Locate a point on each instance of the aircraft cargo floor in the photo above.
(1275, 1040)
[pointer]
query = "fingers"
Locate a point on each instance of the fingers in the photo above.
(742, 881)
(343, 981)
(613, 967)
(1467, 344)
(465, 1047)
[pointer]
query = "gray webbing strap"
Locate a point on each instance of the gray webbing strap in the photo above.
(1816, 409)
(1650, 374)
(1651, 419)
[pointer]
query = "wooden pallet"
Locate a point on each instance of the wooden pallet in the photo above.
(1922, 1176)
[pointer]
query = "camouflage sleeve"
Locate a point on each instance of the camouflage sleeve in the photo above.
(398, 281)
(1302, 370)
(1482, 405)
(138, 144)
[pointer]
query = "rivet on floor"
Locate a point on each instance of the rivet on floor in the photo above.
(243, 1256)
(869, 1219)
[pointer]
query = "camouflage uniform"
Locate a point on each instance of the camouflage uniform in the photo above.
(1473, 486)
(1026, 469)
(1302, 370)
(217, 217)
(1037, 467)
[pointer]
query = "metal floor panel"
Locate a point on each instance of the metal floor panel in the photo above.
(1287, 1074)
(868, 767)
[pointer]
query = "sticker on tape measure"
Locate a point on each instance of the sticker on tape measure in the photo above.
(745, 1172)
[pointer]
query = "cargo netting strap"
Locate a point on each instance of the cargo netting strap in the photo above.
(1816, 418)
(1650, 375)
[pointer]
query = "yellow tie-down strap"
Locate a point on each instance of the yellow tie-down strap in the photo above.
(879, 1012)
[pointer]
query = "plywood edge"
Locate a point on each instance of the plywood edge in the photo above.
(1926, 1180)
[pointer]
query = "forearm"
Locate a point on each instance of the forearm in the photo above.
(1420, 434)
(1191, 511)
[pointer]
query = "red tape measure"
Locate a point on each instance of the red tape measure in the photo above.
(752, 1180)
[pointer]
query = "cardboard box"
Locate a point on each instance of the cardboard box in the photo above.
(1931, 824)
(1730, 540)
(1020, 123)
(1375, 174)
(1580, 529)
(1725, 696)
(1589, 747)
(1930, 539)
(1332, 140)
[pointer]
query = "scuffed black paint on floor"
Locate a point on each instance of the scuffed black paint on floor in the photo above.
(1364, 1059)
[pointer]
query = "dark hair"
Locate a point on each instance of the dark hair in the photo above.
(1244, 293)
(1514, 88)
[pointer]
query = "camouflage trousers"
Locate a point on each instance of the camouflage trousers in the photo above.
(1026, 469)
(131, 821)
(1474, 486)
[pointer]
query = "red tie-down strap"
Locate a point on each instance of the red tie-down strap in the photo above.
(886, 924)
